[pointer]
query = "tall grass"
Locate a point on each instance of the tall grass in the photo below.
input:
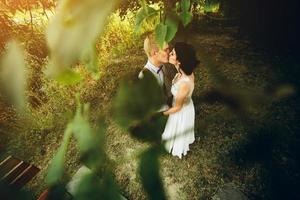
(118, 36)
(50, 104)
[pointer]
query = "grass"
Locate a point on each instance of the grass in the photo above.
(213, 159)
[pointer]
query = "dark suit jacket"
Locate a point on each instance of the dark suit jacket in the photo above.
(169, 72)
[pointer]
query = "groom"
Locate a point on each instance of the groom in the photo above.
(158, 65)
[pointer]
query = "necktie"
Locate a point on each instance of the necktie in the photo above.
(160, 68)
(160, 75)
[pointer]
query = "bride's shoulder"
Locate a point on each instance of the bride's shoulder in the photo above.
(188, 79)
(176, 77)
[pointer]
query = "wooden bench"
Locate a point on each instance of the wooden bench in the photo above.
(16, 173)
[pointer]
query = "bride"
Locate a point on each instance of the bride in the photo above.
(179, 130)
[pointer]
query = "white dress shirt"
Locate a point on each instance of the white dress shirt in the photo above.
(156, 71)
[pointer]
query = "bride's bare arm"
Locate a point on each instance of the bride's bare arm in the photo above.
(179, 99)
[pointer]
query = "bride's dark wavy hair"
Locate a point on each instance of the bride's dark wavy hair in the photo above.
(186, 55)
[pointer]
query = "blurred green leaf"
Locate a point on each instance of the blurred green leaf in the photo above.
(13, 75)
(284, 91)
(136, 98)
(177, 7)
(185, 5)
(95, 156)
(90, 59)
(140, 16)
(69, 77)
(90, 142)
(149, 172)
(91, 187)
(73, 28)
(143, 3)
(56, 168)
(82, 129)
(150, 130)
(172, 27)
(160, 34)
(144, 14)
(186, 17)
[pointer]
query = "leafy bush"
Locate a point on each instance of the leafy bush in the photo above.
(118, 36)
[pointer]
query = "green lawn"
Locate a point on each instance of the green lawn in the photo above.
(214, 158)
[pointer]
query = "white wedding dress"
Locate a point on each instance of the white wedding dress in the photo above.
(179, 130)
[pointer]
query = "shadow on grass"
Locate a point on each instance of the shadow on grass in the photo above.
(277, 150)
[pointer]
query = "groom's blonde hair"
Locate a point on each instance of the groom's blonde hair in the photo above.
(150, 44)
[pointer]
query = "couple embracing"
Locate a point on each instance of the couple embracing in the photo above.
(178, 85)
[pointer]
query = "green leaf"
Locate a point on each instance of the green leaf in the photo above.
(13, 76)
(136, 98)
(73, 28)
(82, 129)
(186, 18)
(172, 27)
(185, 5)
(150, 12)
(92, 187)
(150, 130)
(69, 77)
(90, 59)
(143, 3)
(90, 142)
(56, 168)
(160, 34)
(149, 172)
(144, 14)
(140, 16)
(95, 155)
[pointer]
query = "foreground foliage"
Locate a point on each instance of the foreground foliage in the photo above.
(233, 138)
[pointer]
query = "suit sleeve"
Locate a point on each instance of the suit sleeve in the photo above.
(169, 73)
